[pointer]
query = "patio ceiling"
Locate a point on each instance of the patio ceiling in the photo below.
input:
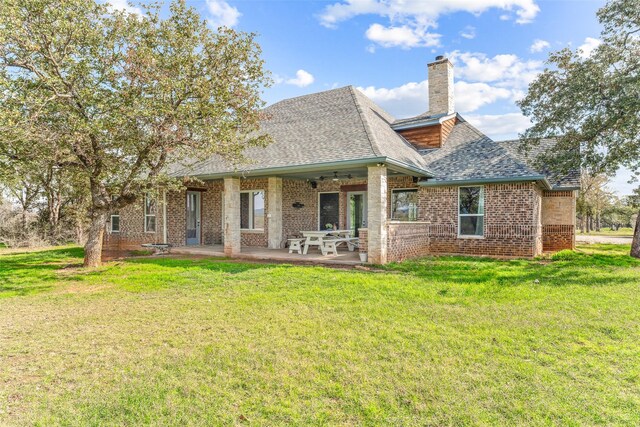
(354, 168)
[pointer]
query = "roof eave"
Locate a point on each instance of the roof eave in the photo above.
(424, 122)
(320, 167)
(536, 178)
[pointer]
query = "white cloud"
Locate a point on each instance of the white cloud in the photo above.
(411, 99)
(407, 100)
(506, 70)
(404, 36)
(469, 32)
(423, 11)
(589, 45)
(471, 96)
(409, 20)
(125, 6)
(221, 14)
(539, 45)
(500, 126)
(302, 79)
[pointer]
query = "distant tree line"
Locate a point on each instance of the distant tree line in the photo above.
(40, 206)
(599, 207)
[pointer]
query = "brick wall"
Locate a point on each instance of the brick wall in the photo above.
(407, 240)
(558, 220)
(519, 219)
(132, 233)
(511, 223)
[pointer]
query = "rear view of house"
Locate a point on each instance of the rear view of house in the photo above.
(430, 184)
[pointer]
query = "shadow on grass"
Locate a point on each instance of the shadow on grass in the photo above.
(24, 273)
(222, 265)
(598, 265)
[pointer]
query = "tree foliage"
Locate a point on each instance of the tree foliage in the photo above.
(591, 103)
(116, 98)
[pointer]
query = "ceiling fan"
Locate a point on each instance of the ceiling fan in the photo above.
(335, 177)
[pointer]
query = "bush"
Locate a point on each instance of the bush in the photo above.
(565, 255)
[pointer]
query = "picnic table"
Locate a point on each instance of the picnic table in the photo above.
(329, 240)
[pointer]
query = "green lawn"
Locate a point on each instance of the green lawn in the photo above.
(441, 341)
(606, 231)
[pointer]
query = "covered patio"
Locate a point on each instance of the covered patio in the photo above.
(344, 257)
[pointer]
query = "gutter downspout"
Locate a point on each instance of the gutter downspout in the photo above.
(164, 216)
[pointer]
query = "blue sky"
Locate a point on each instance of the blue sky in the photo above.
(382, 47)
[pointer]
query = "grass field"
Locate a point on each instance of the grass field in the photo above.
(440, 341)
(605, 231)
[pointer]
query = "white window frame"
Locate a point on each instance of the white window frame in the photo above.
(111, 230)
(460, 215)
(252, 211)
(393, 190)
(146, 215)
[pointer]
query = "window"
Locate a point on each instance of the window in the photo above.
(252, 210)
(115, 223)
(150, 207)
(328, 210)
(471, 211)
(404, 205)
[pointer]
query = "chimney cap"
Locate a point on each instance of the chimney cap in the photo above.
(439, 57)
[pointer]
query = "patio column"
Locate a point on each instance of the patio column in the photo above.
(377, 214)
(231, 216)
(274, 213)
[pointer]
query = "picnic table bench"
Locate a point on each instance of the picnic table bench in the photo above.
(328, 241)
(159, 248)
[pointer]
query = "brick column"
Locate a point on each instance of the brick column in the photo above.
(231, 216)
(377, 214)
(274, 211)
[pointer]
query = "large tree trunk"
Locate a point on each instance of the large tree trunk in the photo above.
(635, 243)
(93, 247)
(53, 200)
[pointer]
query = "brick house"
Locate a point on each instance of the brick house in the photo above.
(431, 184)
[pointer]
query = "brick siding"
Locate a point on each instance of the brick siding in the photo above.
(520, 219)
(558, 220)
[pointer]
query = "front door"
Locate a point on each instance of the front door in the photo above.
(356, 211)
(193, 217)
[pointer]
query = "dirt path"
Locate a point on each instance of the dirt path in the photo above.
(585, 238)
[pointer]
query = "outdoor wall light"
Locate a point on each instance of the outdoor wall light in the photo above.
(298, 205)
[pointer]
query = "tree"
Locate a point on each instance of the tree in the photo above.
(118, 98)
(592, 103)
(593, 198)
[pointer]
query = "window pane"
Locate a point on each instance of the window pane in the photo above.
(150, 206)
(404, 205)
(471, 225)
(471, 200)
(258, 210)
(115, 223)
(329, 210)
(151, 224)
(244, 210)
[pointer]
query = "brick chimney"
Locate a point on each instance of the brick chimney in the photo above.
(431, 129)
(441, 99)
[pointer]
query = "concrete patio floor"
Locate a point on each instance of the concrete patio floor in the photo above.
(314, 256)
